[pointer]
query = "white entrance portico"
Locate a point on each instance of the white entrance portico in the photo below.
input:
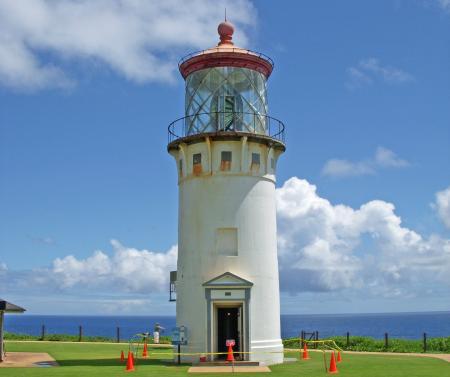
(227, 304)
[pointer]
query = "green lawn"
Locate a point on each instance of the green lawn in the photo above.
(97, 359)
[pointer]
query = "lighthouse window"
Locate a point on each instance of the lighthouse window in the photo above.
(197, 158)
(255, 162)
(272, 163)
(197, 163)
(225, 163)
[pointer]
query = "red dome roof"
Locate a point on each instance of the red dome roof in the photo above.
(225, 54)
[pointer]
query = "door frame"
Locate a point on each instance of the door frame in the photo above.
(239, 305)
(232, 290)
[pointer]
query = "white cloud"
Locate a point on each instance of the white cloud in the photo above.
(370, 70)
(45, 240)
(325, 247)
(442, 206)
(128, 269)
(343, 168)
(140, 40)
(384, 158)
(444, 4)
(3, 268)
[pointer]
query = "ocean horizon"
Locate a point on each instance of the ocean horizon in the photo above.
(407, 325)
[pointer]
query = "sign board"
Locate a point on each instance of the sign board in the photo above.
(230, 342)
(179, 336)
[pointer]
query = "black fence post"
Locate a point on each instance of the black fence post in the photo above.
(43, 332)
(386, 340)
(424, 342)
(118, 334)
(80, 333)
(348, 339)
(301, 339)
(317, 338)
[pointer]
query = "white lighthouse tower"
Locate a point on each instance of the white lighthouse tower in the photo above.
(226, 150)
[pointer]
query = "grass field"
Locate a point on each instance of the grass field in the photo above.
(97, 359)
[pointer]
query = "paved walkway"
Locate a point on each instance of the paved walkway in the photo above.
(229, 369)
(28, 359)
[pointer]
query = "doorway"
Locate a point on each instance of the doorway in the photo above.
(228, 327)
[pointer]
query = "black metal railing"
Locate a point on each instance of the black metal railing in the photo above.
(223, 121)
(238, 50)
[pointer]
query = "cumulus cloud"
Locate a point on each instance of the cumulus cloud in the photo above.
(370, 70)
(140, 40)
(384, 158)
(326, 247)
(128, 269)
(442, 206)
(323, 247)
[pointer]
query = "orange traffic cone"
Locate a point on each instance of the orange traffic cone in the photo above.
(305, 355)
(130, 362)
(339, 358)
(230, 356)
(144, 352)
(333, 368)
(122, 357)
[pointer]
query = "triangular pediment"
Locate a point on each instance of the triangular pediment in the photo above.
(228, 280)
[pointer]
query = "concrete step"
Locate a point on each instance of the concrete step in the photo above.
(221, 363)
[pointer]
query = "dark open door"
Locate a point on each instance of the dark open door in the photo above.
(227, 328)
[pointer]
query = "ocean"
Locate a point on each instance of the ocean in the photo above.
(397, 325)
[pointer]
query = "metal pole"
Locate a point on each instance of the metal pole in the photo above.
(1, 335)
(118, 334)
(80, 333)
(179, 356)
(386, 340)
(317, 338)
(348, 339)
(424, 342)
(43, 332)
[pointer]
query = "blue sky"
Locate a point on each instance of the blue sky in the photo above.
(362, 87)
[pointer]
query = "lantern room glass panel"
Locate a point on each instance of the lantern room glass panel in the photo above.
(226, 99)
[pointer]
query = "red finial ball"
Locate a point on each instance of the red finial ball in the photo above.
(225, 30)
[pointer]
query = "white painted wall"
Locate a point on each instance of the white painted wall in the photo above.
(242, 199)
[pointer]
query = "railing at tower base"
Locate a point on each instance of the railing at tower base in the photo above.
(222, 121)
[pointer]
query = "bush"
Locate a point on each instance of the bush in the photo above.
(365, 343)
(74, 338)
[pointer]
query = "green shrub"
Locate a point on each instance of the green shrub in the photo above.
(74, 338)
(364, 343)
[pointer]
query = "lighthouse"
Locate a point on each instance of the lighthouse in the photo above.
(226, 149)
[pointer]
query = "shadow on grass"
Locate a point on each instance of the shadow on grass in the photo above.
(115, 362)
